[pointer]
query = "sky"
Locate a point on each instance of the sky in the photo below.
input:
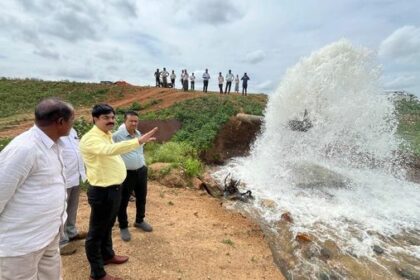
(95, 40)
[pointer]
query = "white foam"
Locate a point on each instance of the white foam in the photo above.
(353, 134)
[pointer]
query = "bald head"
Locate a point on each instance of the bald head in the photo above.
(50, 110)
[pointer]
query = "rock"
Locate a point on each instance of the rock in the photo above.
(377, 249)
(211, 186)
(310, 175)
(330, 248)
(167, 175)
(197, 183)
(303, 238)
(325, 253)
(287, 217)
(268, 203)
(408, 273)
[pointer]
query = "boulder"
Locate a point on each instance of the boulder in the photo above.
(211, 186)
(311, 175)
(168, 175)
(268, 203)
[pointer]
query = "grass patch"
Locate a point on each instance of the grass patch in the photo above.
(202, 117)
(178, 154)
(228, 242)
(4, 142)
(409, 123)
(21, 95)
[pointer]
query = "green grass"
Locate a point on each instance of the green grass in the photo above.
(409, 123)
(178, 154)
(21, 96)
(203, 117)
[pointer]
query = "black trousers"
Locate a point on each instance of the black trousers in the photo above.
(136, 180)
(192, 85)
(221, 88)
(228, 85)
(173, 83)
(104, 204)
(205, 85)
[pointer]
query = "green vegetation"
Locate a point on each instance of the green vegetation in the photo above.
(4, 142)
(228, 242)
(179, 154)
(409, 123)
(135, 106)
(203, 117)
(21, 96)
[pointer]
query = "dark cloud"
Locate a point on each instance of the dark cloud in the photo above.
(150, 43)
(47, 53)
(72, 27)
(215, 12)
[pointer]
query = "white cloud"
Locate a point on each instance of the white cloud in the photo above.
(254, 57)
(403, 45)
(129, 39)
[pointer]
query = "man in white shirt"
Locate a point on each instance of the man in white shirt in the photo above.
(206, 78)
(221, 80)
(164, 74)
(33, 196)
(229, 79)
(192, 79)
(75, 171)
(173, 77)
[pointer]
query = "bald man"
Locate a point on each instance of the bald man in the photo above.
(33, 196)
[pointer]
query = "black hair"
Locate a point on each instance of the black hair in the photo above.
(130, 113)
(102, 109)
(51, 110)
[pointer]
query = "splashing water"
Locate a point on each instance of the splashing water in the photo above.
(353, 136)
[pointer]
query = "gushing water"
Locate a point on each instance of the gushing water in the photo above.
(356, 190)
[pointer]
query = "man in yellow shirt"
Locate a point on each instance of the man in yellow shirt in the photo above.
(105, 172)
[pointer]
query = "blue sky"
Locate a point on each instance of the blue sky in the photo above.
(127, 40)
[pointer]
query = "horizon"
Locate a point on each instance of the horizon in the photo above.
(128, 40)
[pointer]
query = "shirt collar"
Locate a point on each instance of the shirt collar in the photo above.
(99, 131)
(46, 140)
(125, 131)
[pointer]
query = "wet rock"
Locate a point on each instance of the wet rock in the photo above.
(268, 203)
(303, 238)
(377, 249)
(413, 240)
(408, 273)
(211, 186)
(287, 217)
(310, 175)
(325, 253)
(330, 248)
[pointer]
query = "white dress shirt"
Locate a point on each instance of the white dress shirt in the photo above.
(32, 193)
(73, 162)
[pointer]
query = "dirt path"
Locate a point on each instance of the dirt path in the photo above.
(167, 97)
(194, 237)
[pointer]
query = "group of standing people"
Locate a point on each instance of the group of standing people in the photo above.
(161, 78)
(40, 172)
